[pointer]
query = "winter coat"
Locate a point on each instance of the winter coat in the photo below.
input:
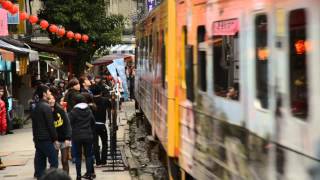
(3, 117)
(69, 98)
(61, 123)
(42, 123)
(102, 105)
(82, 122)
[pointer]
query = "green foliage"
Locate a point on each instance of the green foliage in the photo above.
(85, 17)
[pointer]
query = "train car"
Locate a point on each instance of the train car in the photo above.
(155, 75)
(191, 35)
(239, 92)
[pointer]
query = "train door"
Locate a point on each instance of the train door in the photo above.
(259, 72)
(297, 88)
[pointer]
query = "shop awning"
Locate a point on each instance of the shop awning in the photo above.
(33, 55)
(123, 49)
(108, 59)
(15, 49)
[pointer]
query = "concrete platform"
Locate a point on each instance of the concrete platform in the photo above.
(20, 145)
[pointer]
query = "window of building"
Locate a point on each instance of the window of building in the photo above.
(261, 49)
(202, 58)
(298, 63)
(226, 59)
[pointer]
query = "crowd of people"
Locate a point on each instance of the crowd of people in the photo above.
(72, 119)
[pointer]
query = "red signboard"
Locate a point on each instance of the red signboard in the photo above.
(3, 22)
(225, 28)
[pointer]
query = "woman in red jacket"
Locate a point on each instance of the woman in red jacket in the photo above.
(3, 113)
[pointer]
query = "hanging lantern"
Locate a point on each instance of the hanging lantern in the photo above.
(77, 36)
(23, 16)
(6, 5)
(44, 24)
(61, 32)
(53, 28)
(14, 9)
(33, 19)
(85, 38)
(70, 34)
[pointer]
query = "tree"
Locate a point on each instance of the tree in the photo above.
(87, 17)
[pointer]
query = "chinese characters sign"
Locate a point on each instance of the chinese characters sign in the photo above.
(225, 28)
(3, 22)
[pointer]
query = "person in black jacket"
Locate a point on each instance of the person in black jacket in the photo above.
(44, 133)
(73, 90)
(63, 128)
(82, 121)
(100, 114)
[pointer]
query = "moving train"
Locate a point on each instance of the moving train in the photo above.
(230, 87)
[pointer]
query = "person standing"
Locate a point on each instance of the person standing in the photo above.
(3, 113)
(85, 85)
(82, 121)
(100, 114)
(3, 120)
(73, 90)
(63, 128)
(44, 133)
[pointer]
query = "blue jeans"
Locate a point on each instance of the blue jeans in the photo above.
(87, 147)
(44, 150)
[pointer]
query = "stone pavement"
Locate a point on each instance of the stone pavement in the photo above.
(20, 146)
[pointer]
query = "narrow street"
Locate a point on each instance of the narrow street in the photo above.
(18, 148)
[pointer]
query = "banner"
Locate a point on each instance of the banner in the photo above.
(120, 66)
(3, 22)
(112, 69)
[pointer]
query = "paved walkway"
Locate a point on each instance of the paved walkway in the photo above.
(19, 146)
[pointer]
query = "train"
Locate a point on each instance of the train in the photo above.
(230, 87)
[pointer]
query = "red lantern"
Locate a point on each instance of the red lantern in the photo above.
(70, 34)
(44, 24)
(7, 5)
(23, 16)
(33, 19)
(85, 38)
(14, 9)
(61, 32)
(77, 36)
(53, 28)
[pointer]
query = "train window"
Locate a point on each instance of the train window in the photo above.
(188, 65)
(226, 59)
(189, 72)
(202, 58)
(298, 63)
(163, 60)
(261, 49)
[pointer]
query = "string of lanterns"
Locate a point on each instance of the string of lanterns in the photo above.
(33, 19)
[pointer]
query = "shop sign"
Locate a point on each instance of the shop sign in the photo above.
(226, 28)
